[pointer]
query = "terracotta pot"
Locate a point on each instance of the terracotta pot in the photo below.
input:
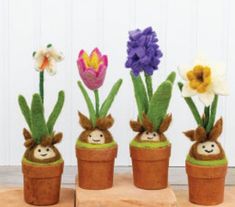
(95, 167)
(150, 167)
(42, 183)
(206, 184)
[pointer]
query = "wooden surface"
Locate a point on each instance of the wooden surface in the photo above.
(125, 194)
(229, 198)
(13, 197)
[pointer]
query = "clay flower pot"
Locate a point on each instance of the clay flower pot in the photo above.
(206, 184)
(42, 183)
(95, 167)
(150, 167)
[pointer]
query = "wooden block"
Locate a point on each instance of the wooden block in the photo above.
(229, 198)
(13, 197)
(125, 194)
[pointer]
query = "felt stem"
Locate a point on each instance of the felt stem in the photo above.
(148, 81)
(41, 85)
(213, 114)
(192, 107)
(97, 102)
(207, 115)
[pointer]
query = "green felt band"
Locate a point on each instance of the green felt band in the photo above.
(81, 144)
(213, 114)
(25, 110)
(159, 104)
(56, 112)
(192, 107)
(208, 163)
(140, 95)
(110, 98)
(150, 145)
(24, 160)
(89, 103)
(39, 127)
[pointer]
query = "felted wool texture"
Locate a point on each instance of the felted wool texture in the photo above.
(82, 144)
(150, 145)
(102, 124)
(211, 163)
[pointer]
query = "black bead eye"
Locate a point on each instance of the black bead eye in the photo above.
(154, 134)
(39, 150)
(212, 145)
(48, 149)
(203, 146)
(101, 135)
(89, 135)
(147, 132)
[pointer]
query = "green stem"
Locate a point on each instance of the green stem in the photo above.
(149, 85)
(192, 107)
(207, 115)
(97, 102)
(41, 85)
(213, 114)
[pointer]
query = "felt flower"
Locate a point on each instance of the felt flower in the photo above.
(203, 79)
(92, 68)
(143, 51)
(46, 58)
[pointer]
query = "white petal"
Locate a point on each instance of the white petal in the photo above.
(57, 56)
(183, 71)
(51, 69)
(220, 87)
(187, 91)
(207, 97)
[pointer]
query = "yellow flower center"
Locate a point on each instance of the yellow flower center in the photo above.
(199, 78)
(91, 62)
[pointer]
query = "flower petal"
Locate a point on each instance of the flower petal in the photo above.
(220, 87)
(206, 98)
(183, 72)
(187, 91)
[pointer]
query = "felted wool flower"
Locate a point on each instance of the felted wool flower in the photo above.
(46, 58)
(143, 51)
(92, 68)
(203, 79)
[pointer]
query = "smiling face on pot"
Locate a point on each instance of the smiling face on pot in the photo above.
(150, 136)
(208, 148)
(43, 153)
(98, 134)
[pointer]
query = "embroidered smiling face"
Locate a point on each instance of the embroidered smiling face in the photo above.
(43, 153)
(96, 137)
(149, 136)
(208, 148)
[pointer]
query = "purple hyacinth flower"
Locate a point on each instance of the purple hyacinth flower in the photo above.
(143, 51)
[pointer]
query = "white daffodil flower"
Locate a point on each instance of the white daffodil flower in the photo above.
(203, 79)
(46, 59)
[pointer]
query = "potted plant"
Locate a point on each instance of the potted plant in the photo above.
(96, 149)
(150, 149)
(42, 163)
(206, 163)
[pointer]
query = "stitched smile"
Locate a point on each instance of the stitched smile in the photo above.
(149, 137)
(43, 155)
(96, 140)
(209, 151)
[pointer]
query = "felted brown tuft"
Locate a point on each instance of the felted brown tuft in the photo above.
(46, 141)
(27, 134)
(147, 124)
(136, 126)
(193, 153)
(84, 121)
(105, 122)
(57, 138)
(216, 130)
(29, 143)
(165, 124)
(200, 134)
(190, 134)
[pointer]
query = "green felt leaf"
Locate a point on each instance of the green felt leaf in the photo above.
(140, 95)
(90, 106)
(159, 104)
(39, 127)
(56, 112)
(192, 107)
(110, 98)
(213, 114)
(171, 77)
(25, 110)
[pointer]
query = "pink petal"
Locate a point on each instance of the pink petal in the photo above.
(81, 65)
(97, 51)
(104, 59)
(81, 53)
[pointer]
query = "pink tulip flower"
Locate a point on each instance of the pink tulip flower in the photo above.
(92, 68)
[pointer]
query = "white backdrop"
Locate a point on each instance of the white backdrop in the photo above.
(184, 28)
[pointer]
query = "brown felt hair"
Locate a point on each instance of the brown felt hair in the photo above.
(49, 141)
(199, 136)
(148, 126)
(102, 124)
